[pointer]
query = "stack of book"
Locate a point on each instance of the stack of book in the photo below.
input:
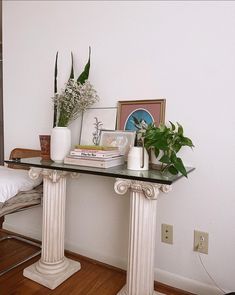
(95, 156)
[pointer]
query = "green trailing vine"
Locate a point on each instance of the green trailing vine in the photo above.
(169, 140)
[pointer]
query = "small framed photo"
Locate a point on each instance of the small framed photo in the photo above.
(136, 115)
(124, 140)
(95, 119)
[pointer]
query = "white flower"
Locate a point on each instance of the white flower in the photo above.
(75, 98)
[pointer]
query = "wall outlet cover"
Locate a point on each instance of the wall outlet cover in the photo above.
(201, 240)
(167, 233)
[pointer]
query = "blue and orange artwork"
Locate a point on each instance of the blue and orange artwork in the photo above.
(139, 119)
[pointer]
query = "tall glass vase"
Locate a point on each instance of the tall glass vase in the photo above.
(60, 143)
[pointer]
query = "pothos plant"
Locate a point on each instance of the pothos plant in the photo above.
(77, 96)
(166, 143)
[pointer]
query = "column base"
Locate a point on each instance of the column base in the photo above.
(48, 280)
(123, 291)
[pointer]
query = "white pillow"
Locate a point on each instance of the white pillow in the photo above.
(13, 181)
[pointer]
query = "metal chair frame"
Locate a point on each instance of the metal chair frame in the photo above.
(20, 153)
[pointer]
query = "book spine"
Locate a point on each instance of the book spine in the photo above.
(93, 163)
(93, 159)
(94, 154)
(111, 149)
(74, 161)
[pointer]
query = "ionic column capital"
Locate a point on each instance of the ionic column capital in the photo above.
(149, 189)
(53, 175)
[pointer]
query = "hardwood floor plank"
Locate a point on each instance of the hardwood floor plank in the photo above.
(94, 278)
(168, 290)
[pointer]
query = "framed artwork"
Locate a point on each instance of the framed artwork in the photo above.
(124, 140)
(137, 114)
(95, 119)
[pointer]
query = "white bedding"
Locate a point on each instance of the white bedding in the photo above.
(13, 181)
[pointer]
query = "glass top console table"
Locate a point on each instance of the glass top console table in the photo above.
(53, 268)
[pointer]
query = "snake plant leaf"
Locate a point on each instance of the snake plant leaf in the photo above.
(55, 88)
(72, 70)
(85, 74)
(56, 73)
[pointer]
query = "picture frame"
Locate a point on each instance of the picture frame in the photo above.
(124, 140)
(133, 115)
(95, 119)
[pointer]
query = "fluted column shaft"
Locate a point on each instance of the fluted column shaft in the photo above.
(53, 268)
(54, 197)
(141, 236)
(143, 209)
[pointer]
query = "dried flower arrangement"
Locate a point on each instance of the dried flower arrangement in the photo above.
(77, 96)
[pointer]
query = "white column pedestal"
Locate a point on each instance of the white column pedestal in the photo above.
(52, 281)
(143, 209)
(53, 268)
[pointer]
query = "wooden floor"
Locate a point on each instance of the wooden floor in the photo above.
(93, 278)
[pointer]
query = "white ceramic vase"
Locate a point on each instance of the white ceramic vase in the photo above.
(155, 163)
(60, 143)
(154, 159)
(138, 159)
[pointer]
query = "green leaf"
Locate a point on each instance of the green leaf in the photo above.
(72, 70)
(173, 156)
(187, 142)
(162, 127)
(172, 126)
(173, 170)
(165, 159)
(85, 74)
(55, 73)
(176, 147)
(180, 129)
(156, 152)
(178, 164)
(161, 144)
(55, 89)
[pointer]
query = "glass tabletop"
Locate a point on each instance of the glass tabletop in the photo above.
(121, 171)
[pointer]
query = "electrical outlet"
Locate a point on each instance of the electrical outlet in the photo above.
(167, 233)
(201, 240)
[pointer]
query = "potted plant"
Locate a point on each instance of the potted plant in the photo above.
(77, 96)
(165, 142)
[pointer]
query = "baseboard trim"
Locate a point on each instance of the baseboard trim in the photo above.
(183, 283)
(87, 252)
(36, 234)
(165, 282)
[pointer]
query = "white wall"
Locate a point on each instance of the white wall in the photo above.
(182, 51)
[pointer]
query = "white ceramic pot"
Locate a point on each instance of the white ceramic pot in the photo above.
(155, 163)
(60, 143)
(138, 159)
(154, 159)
